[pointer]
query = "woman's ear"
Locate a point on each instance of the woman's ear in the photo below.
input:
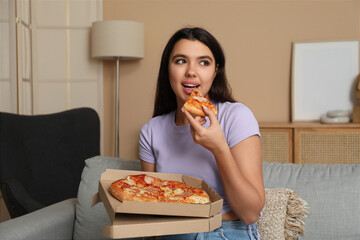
(216, 69)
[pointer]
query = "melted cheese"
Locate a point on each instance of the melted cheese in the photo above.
(129, 181)
(178, 191)
(167, 191)
(148, 179)
(200, 99)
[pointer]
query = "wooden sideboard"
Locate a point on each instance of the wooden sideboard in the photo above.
(310, 142)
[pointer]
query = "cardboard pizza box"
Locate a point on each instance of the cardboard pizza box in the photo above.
(141, 219)
(114, 206)
(138, 225)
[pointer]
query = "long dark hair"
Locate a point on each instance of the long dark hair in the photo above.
(220, 91)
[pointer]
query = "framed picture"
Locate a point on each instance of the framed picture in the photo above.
(323, 78)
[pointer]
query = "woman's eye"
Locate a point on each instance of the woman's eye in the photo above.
(180, 61)
(204, 63)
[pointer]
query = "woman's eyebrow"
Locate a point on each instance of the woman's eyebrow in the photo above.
(178, 55)
(184, 56)
(207, 57)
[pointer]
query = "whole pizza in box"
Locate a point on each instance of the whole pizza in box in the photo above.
(145, 188)
(121, 195)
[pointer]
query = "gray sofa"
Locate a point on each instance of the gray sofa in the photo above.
(331, 191)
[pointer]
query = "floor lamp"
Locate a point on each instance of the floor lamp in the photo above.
(117, 40)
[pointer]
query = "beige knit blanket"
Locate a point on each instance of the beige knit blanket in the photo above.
(283, 215)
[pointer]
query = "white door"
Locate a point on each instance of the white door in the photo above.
(24, 57)
(65, 75)
(8, 80)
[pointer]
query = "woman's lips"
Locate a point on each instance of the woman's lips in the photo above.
(188, 90)
(189, 87)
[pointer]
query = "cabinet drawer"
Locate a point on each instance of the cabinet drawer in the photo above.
(327, 146)
(277, 145)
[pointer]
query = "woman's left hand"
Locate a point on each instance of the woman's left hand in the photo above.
(211, 138)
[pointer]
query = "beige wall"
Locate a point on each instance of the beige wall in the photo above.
(256, 36)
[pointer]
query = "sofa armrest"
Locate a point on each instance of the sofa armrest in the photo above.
(52, 222)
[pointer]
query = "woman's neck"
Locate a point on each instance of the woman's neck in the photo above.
(180, 118)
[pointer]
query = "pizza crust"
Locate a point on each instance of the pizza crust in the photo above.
(121, 195)
(193, 110)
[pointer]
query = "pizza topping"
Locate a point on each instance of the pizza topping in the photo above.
(178, 191)
(200, 99)
(129, 181)
(147, 188)
(148, 179)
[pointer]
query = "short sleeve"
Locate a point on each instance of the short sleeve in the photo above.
(239, 123)
(145, 147)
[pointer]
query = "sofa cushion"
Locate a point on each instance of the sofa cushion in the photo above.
(331, 191)
(89, 221)
(283, 215)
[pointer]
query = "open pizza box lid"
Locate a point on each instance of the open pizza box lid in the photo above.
(141, 219)
(114, 206)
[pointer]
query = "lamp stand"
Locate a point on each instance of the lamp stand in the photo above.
(117, 110)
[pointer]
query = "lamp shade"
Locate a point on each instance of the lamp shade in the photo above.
(117, 38)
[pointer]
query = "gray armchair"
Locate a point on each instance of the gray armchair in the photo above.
(37, 150)
(72, 218)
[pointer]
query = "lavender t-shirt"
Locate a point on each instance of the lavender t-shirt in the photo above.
(172, 148)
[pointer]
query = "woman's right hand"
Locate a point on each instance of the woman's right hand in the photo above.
(212, 138)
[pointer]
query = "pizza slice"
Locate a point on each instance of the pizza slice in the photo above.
(195, 102)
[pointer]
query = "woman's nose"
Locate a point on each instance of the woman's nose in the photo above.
(191, 71)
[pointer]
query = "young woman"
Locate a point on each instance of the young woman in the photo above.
(224, 151)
